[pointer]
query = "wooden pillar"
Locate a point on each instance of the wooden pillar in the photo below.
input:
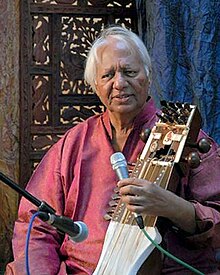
(9, 121)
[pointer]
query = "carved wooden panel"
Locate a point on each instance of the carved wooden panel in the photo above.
(55, 38)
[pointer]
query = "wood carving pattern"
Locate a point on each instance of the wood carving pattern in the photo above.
(57, 35)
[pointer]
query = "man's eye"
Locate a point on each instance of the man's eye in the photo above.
(108, 75)
(130, 73)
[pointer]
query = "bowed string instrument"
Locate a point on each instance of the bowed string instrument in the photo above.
(170, 147)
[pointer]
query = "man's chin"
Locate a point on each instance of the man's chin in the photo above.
(126, 109)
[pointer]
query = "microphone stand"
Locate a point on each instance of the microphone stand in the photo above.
(42, 205)
(77, 231)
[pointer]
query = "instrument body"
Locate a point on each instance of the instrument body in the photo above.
(125, 247)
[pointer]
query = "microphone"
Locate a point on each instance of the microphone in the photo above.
(77, 231)
(119, 165)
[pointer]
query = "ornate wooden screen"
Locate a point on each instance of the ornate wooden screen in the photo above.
(55, 38)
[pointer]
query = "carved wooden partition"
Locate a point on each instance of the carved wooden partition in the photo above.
(55, 38)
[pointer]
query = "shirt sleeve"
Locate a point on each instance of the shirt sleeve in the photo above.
(46, 185)
(204, 192)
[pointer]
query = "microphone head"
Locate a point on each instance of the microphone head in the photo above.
(117, 159)
(119, 164)
(83, 232)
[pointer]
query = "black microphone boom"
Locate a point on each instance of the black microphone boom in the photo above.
(77, 231)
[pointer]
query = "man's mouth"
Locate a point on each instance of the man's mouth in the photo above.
(122, 96)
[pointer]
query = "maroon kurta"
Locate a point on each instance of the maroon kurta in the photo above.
(75, 178)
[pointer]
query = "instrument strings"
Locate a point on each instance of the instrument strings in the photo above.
(129, 216)
(162, 171)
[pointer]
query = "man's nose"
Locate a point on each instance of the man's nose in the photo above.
(119, 81)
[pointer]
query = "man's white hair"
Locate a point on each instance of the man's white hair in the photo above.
(133, 42)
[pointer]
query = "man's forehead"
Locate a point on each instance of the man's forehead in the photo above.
(116, 48)
(118, 43)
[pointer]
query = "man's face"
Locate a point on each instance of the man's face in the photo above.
(121, 81)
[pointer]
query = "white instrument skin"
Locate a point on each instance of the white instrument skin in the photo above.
(126, 247)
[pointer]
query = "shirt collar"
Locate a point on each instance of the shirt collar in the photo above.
(146, 113)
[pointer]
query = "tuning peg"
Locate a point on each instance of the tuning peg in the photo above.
(162, 118)
(203, 145)
(165, 118)
(113, 203)
(179, 105)
(172, 106)
(163, 103)
(182, 119)
(193, 159)
(187, 106)
(115, 196)
(144, 135)
(107, 217)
